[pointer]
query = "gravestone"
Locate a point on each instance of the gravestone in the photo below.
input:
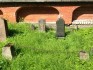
(83, 55)
(3, 29)
(42, 25)
(60, 28)
(32, 27)
(8, 51)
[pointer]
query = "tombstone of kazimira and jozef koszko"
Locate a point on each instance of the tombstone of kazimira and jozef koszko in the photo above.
(42, 25)
(60, 28)
(3, 29)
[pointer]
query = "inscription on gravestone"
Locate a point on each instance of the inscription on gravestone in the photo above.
(60, 28)
(42, 25)
(3, 29)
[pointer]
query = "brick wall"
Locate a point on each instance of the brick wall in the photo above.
(50, 13)
(9, 13)
(83, 13)
(32, 13)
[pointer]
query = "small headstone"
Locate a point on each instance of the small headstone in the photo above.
(83, 55)
(60, 28)
(3, 29)
(42, 25)
(76, 27)
(8, 51)
(33, 27)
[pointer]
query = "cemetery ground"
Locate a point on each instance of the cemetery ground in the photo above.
(43, 51)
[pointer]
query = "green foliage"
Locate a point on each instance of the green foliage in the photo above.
(43, 51)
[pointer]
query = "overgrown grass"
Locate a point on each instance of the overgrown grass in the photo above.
(43, 51)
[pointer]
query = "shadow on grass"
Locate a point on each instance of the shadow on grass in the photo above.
(33, 27)
(13, 32)
(48, 29)
(43, 51)
(18, 51)
(67, 33)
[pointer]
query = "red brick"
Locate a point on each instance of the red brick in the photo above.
(50, 13)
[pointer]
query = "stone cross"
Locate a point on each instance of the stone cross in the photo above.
(60, 28)
(3, 29)
(42, 25)
(8, 51)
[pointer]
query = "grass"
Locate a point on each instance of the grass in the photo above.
(43, 51)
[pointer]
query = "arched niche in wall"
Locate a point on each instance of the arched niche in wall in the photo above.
(84, 12)
(33, 14)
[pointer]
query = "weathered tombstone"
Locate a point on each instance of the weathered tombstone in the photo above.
(8, 51)
(83, 55)
(3, 29)
(60, 28)
(76, 27)
(42, 25)
(33, 27)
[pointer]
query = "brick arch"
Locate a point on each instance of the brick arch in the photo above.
(33, 14)
(84, 12)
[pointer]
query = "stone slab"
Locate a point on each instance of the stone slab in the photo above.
(42, 25)
(8, 51)
(83, 55)
(3, 29)
(60, 28)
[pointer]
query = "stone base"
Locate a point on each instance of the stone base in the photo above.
(53, 25)
(60, 37)
(81, 26)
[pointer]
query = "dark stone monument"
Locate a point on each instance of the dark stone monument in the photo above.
(83, 55)
(42, 25)
(8, 51)
(60, 28)
(3, 29)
